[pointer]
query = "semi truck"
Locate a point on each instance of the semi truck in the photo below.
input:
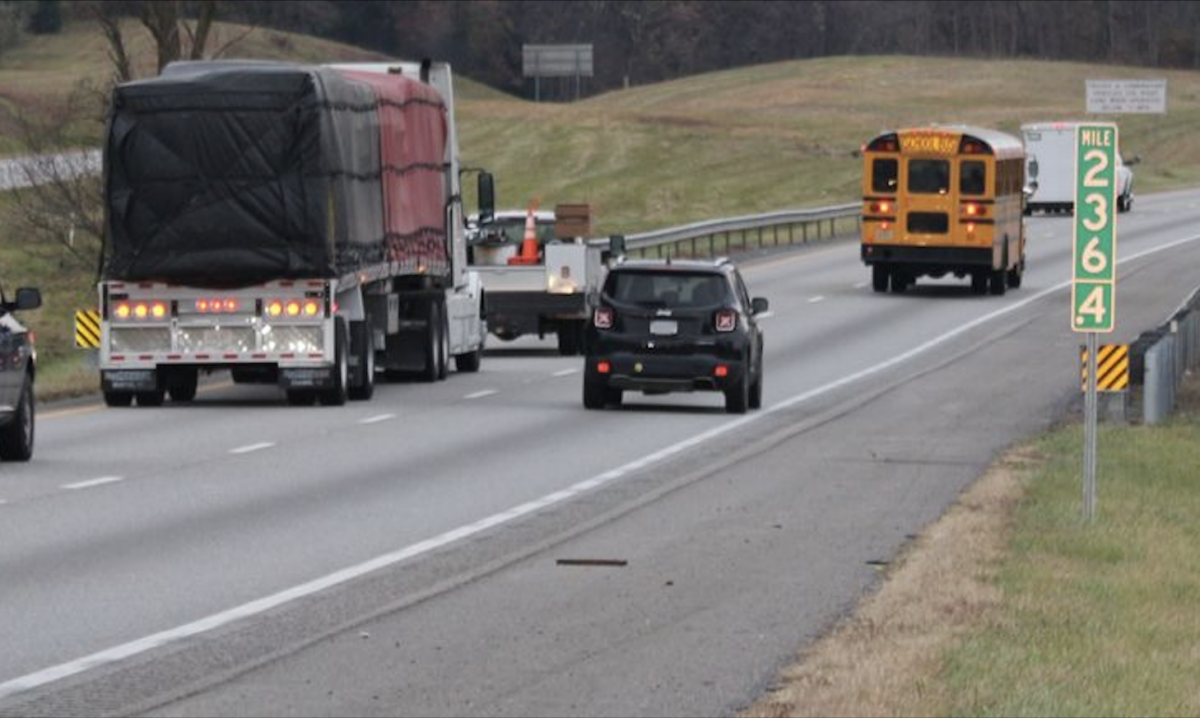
(539, 284)
(295, 224)
(1050, 167)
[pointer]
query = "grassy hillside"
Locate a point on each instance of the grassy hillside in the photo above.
(783, 135)
(742, 141)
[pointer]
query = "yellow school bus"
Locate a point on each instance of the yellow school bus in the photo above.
(944, 200)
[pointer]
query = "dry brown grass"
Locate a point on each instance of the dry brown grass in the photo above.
(880, 661)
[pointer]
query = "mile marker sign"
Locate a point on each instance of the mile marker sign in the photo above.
(1093, 292)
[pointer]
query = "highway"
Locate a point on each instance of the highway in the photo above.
(238, 556)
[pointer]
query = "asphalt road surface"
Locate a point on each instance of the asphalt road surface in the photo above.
(485, 546)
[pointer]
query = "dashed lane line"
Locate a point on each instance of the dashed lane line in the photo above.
(92, 482)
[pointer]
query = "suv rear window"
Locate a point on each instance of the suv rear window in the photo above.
(653, 290)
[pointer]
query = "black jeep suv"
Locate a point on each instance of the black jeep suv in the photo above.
(663, 326)
(17, 358)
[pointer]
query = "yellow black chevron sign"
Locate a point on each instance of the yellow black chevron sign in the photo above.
(87, 328)
(1112, 368)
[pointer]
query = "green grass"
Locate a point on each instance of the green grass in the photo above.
(1098, 619)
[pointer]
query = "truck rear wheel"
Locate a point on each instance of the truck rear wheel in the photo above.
(363, 386)
(118, 399)
(182, 384)
(570, 337)
(336, 394)
(436, 343)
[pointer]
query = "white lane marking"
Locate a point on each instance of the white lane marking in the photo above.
(861, 285)
(252, 448)
(3, 502)
(377, 419)
(93, 482)
(481, 394)
(814, 300)
(764, 315)
(215, 621)
(566, 372)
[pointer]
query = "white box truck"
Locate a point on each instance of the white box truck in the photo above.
(1050, 168)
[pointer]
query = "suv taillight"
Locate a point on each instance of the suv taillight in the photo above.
(603, 318)
(726, 320)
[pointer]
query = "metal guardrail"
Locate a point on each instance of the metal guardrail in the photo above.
(1166, 354)
(20, 172)
(742, 234)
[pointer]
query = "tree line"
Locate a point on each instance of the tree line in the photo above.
(638, 42)
(643, 41)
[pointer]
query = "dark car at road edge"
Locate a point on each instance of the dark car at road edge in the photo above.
(17, 370)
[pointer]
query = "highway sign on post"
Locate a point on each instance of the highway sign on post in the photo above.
(1094, 285)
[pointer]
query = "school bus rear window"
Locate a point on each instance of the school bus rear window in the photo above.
(883, 175)
(972, 178)
(928, 176)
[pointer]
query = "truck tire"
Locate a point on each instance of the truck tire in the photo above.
(182, 384)
(16, 438)
(434, 343)
(362, 388)
(979, 282)
(151, 398)
(117, 399)
(336, 394)
(570, 337)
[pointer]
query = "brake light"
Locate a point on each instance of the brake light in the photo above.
(275, 308)
(721, 371)
(311, 308)
(124, 311)
(603, 318)
(881, 207)
(293, 308)
(158, 310)
(141, 311)
(726, 320)
(603, 367)
(972, 210)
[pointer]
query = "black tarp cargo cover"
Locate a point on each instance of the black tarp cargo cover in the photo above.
(237, 173)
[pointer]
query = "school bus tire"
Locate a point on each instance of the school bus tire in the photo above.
(879, 278)
(1016, 275)
(900, 282)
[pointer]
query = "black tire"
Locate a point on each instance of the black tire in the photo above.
(118, 399)
(570, 337)
(1016, 276)
(614, 397)
(595, 394)
(16, 438)
(756, 389)
(301, 397)
(998, 283)
(337, 394)
(468, 363)
(737, 396)
(433, 344)
(879, 278)
(900, 282)
(362, 387)
(979, 283)
(151, 398)
(444, 348)
(182, 385)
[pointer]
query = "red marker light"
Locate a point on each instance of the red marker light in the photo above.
(721, 371)
(603, 367)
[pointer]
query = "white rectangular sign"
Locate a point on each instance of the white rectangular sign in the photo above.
(1106, 97)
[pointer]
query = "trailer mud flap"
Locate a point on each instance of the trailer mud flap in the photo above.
(129, 380)
(306, 378)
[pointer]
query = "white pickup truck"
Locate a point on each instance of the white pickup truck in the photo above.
(543, 296)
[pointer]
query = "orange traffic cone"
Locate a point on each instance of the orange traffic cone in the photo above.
(529, 245)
